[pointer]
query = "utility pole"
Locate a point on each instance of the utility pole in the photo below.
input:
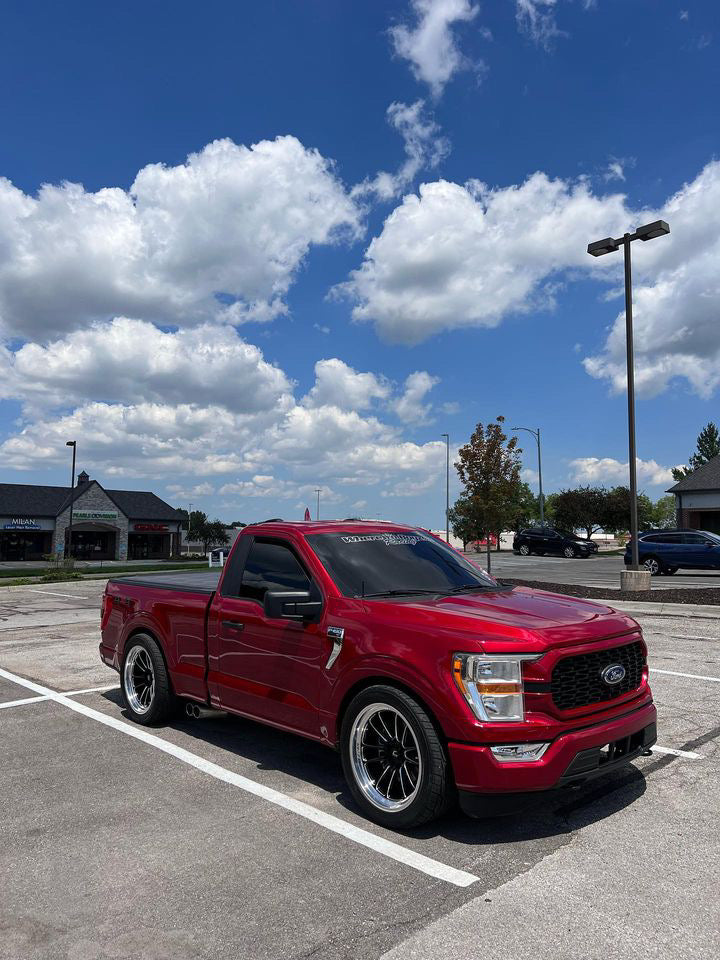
(73, 444)
(447, 486)
(317, 491)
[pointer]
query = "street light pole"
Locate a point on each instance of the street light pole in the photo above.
(536, 434)
(317, 491)
(73, 444)
(630, 350)
(447, 486)
(597, 249)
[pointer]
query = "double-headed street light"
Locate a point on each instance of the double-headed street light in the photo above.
(536, 434)
(657, 228)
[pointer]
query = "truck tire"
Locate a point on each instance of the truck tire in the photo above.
(394, 761)
(145, 683)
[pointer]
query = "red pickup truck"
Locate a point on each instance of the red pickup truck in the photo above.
(433, 680)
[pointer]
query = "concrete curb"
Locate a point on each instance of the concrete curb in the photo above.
(692, 610)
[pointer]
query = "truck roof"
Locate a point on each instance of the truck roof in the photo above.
(325, 526)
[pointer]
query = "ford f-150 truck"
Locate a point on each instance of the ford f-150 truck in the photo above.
(432, 679)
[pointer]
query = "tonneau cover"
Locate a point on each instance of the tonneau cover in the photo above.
(205, 582)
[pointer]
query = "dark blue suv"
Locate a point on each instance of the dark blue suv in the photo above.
(665, 551)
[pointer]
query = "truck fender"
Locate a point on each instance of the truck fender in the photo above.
(393, 672)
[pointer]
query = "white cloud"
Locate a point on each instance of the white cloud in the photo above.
(424, 148)
(536, 19)
(409, 407)
(337, 384)
(468, 256)
(606, 471)
(430, 44)
(676, 296)
(189, 493)
(465, 256)
(616, 168)
(123, 359)
(220, 236)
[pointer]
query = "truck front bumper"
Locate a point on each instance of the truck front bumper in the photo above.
(487, 785)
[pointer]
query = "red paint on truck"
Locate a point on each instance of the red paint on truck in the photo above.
(223, 650)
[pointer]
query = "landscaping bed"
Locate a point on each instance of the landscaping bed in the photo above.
(703, 595)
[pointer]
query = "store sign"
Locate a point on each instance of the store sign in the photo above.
(102, 516)
(151, 527)
(21, 523)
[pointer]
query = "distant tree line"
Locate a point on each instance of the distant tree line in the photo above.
(211, 533)
(495, 499)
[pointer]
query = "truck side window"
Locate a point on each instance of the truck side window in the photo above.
(271, 566)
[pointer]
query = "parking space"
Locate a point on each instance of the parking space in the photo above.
(595, 571)
(220, 837)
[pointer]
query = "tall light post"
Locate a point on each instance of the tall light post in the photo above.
(317, 491)
(447, 486)
(73, 444)
(536, 434)
(658, 228)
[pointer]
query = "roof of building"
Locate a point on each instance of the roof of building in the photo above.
(706, 477)
(30, 500)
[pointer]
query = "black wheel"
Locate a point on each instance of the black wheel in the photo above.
(670, 571)
(393, 759)
(524, 550)
(569, 552)
(654, 566)
(145, 683)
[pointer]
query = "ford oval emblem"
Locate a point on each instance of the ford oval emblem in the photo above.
(614, 673)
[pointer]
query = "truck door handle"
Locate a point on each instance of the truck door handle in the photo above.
(233, 624)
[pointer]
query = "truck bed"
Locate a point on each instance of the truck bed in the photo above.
(205, 582)
(170, 607)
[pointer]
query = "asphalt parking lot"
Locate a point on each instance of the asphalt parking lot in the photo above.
(222, 838)
(596, 571)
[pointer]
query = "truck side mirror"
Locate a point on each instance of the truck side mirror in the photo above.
(291, 605)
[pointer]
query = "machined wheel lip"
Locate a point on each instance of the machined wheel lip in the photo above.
(139, 680)
(385, 757)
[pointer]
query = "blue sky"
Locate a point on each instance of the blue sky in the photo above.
(535, 126)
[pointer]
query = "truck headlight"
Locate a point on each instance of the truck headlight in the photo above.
(492, 684)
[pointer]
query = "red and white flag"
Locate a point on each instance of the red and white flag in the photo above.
(307, 514)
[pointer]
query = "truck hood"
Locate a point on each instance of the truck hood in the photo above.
(536, 618)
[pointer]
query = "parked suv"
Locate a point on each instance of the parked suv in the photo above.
(665, 551)
(549, 540)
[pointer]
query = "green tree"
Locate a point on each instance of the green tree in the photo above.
(580, 509)
(213, 535)
(663, 513)
(615, 517)
(462, 521)
(489, 469)
(198, 520)
(184, 517)
(708, 447)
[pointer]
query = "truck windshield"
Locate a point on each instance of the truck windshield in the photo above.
(393, 564)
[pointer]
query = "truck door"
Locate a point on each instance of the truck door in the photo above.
(265, 668)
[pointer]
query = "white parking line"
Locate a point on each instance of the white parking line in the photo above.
(68, 693)
(688, 754)
(67, 596)
(387, 848)
(690, 676)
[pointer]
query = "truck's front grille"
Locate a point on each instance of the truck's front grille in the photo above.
(577, 681)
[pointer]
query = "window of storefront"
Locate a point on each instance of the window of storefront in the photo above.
(149, 546)
(92, 544)
(22, 545)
